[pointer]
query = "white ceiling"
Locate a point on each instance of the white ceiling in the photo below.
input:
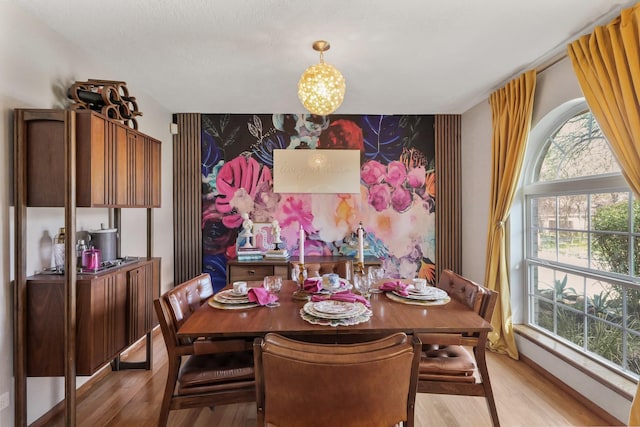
(246, 56)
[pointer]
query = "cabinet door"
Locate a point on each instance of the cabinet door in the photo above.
(101, 322)
(125, 149)
(143, 285)
(152, 171)
(139, 174)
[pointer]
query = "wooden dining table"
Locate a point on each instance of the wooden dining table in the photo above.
(388, 317)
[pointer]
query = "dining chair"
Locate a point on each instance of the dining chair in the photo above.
(342, 268)
(202, 372)
(363, 384)
(446, 367)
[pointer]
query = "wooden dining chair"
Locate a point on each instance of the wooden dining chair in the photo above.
(202, 372)
(446, 367)
(342, 268)
(364, 384)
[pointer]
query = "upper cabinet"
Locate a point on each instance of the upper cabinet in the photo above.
(116, 166)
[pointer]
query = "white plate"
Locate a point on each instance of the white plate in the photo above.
(355, 309)
(430, 294)
(334, 307)
(234, 306)
(229, 297)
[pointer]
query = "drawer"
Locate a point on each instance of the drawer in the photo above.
(249, 272)
(281, 270)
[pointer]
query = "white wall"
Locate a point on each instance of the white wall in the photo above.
(555, 86)
(36, 67)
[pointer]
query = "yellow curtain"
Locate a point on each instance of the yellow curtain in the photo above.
(511, 109)
(607, 64)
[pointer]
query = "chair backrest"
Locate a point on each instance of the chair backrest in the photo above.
(342, 268)
(307, 384)
(464, 290)
(175, 306)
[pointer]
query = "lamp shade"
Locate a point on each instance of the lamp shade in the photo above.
(321, 87)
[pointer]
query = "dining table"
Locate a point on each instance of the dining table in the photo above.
(388, 316)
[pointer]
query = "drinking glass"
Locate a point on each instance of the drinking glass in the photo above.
(362, 284)
(272, 284)
(376, 275)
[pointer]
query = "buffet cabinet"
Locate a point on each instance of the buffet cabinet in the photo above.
(116, 166)
(114, 309)
(258, 269)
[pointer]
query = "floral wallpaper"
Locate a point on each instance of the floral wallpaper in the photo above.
(396, 204)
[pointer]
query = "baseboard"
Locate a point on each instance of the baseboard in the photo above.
(48, 417)
(610, 419)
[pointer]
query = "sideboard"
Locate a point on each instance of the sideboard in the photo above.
(257, 269)
(114, 309)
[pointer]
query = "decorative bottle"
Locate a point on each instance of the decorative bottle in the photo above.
(58, 250)
(81, 246)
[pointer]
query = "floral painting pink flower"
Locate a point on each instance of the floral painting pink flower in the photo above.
(373, 172)
(396, 173)
(416, 177)
(401, 199)
(380, 196)
(244, 174)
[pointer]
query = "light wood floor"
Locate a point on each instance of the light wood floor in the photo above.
(523, 396)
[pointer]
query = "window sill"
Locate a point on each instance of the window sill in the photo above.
(610, 378)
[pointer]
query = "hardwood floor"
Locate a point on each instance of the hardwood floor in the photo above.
(523, 396)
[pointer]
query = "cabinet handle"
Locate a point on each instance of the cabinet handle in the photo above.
(251, 272)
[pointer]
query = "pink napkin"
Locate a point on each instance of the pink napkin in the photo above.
(313, 284)
(261, 296)
(397, 286)
(346, 296)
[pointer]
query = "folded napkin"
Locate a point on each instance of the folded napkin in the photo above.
(346, 296)
(397, 286)
(261, 296)
(312, 284)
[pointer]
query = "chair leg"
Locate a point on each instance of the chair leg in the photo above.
(486, 385)
(172, 378)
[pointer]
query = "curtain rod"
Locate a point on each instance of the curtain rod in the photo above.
(559, 52)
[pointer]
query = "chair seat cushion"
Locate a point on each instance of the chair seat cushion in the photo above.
(216, 369)
(451, 360)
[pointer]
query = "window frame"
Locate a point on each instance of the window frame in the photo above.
(530, 189)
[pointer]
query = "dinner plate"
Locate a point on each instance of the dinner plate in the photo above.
(429, 294)
(399, 298)
(330, 310)
(225, 306)
(230, 297)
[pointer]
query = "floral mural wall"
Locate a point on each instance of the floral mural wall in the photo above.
(396, 204)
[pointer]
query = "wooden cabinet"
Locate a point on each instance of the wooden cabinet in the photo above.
(256, 270)
(143, 286)
(114, 309)
(116, 166)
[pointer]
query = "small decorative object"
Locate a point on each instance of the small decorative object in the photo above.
(275, 231)
(108, 97)
(300, 294)
(58, 250)
(247, 230)
(359, 267)
(321, 87)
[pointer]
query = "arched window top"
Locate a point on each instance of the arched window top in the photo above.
(576, 149)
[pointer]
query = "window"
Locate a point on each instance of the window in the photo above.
(583, 245)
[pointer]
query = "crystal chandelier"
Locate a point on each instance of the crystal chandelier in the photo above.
(321, 87)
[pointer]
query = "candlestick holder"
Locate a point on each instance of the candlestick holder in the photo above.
(358, 267)
(300, 293)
